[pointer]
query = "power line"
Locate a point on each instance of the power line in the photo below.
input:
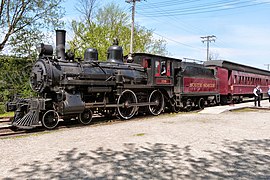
(166, 4)
(177, 41)
(172, 2)
(183, 44)
(184, 25)
(203, 8)
(177, 25)
(192, 5)
(159, 9)
(174, 22)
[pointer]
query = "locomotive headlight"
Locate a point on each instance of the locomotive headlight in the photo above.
(44, 49)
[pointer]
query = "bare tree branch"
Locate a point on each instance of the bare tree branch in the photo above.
(8, 15)
(1, 8)
(16, 15)
(86, 8)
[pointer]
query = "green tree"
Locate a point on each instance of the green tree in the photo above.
(14, 77)
(111, 22)
(22, 22)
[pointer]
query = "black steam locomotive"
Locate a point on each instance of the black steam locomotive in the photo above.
(68, 88)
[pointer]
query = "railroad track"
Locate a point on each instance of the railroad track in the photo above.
(7, 131)
(4, 120)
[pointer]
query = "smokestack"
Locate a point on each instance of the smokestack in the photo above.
(60, 44)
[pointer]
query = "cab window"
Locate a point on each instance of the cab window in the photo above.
(157, 68)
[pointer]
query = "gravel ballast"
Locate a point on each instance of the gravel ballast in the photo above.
(231, 145)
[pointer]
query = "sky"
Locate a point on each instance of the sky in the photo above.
(241, 27)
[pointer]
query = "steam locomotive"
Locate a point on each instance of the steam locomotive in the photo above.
(68, 88)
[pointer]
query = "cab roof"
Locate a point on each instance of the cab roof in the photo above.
(154, 56)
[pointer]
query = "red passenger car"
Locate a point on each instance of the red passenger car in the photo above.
(237, 81)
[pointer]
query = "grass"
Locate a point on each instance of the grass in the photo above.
(140, 134)
(27, 135)
(244, 110)
(172, 114)
(7, 114)
(168, 122)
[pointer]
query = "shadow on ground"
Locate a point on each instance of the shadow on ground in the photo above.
(248, 159)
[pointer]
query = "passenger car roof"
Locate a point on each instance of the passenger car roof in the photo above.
(235, 66)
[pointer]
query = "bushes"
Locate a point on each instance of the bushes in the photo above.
(2, 108)
(14, 77)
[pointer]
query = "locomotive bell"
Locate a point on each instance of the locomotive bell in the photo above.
(90, 54)
(115, 53)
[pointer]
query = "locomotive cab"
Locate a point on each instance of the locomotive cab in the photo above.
(160, 69)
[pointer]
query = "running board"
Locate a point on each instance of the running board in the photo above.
(95, 105)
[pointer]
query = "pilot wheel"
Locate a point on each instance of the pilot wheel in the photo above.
(50, 119)
(85, 117)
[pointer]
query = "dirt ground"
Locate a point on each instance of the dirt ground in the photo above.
(232, 145)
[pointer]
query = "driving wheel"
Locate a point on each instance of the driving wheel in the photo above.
(156, 97)
(125, 109)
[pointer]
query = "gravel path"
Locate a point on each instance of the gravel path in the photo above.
(231, 145)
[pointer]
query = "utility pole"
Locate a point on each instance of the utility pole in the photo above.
(268, 65)
(132, 27)
(208, 39)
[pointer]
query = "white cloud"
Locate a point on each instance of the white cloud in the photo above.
(238, 43)
(250, 35)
